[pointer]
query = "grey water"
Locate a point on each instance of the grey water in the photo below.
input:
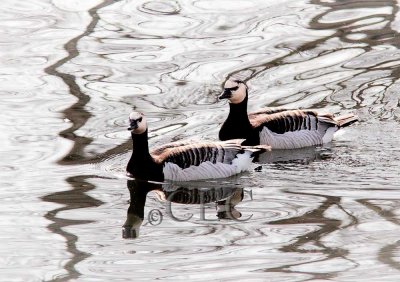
(70, 73)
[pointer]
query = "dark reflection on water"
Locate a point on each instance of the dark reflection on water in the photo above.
(313, 240)
(76, 113)
(357, 24)
(70, 200)
(296, 156)
(387, 254)
(362, 32)
(225, 199)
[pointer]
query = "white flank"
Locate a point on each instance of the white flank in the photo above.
(292, 139)
(207, 170)
(329, 134)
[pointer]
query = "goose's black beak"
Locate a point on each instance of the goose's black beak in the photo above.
(227, 94)
(134, 125)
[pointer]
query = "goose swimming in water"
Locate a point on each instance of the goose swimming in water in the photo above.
(278, 127)
(185, 161)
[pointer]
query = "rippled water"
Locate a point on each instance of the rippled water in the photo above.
(71, 71)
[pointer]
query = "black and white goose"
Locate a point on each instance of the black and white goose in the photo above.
(278, 127)
(185, 161)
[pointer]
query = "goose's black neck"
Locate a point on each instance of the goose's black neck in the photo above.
(140, 146)
(141, 165)
(237, 125)
(239, 111)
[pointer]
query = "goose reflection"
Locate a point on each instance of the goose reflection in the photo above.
(297, 156)
(225, 198)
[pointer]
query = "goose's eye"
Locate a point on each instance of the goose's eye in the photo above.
(233, 88)
(139, 119)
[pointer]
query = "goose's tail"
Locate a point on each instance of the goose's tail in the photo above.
(346, 120)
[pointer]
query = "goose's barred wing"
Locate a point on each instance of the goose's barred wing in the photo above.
(268, 111)
(193, 154)
(295, 120)
(160, 151)
(295, 129)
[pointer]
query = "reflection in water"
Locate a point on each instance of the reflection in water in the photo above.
(76, 113)
(355, 28)
(135, 214)
(388, 253)
(371, 28)
(225, 199)
(312, 242)
(296, 156)
(77, 198)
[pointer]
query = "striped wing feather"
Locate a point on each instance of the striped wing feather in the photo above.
(294, 120)
(268, 111)
(295, 129)
(193, 154)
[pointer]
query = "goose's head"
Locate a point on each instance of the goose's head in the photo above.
(137, 123)
(235, 91)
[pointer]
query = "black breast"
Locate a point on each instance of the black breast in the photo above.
(238, 126)
(145, 170)
(141, 165)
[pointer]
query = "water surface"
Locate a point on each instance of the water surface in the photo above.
(72, 71)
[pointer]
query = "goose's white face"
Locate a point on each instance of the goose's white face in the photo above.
(234, 91)
(137, 123)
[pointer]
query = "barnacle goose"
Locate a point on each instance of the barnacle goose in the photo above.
(278, 127)
(186, 161)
